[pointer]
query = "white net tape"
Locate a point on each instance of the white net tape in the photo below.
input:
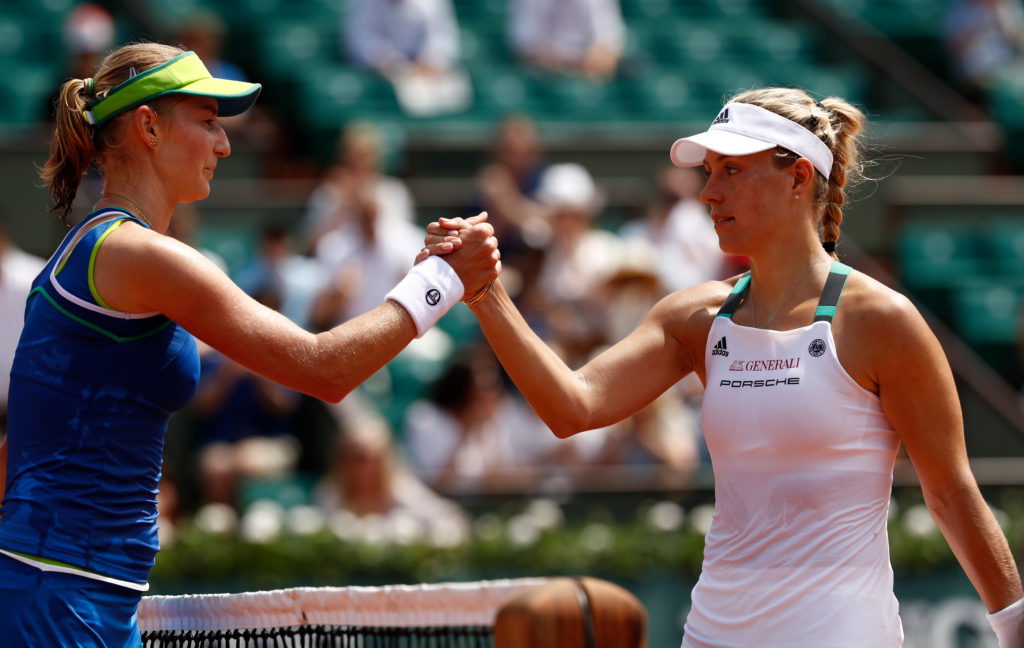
(446, 604)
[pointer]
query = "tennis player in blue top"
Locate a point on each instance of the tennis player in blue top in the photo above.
(108, 353)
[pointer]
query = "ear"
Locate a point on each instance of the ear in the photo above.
(144, 123)
(803, 176)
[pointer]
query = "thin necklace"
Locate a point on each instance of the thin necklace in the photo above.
(753, 308)
(137, 211)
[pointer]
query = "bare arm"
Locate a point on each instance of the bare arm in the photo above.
(612, 386)
(138, 271)
(919, 398)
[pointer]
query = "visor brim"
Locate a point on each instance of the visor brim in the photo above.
(233, 97)
(690, 151)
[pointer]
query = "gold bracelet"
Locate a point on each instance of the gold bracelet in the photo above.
(479, 296)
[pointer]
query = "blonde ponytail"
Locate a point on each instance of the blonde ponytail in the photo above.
(77, 143)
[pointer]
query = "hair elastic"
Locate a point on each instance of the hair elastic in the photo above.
(90, 87)
(830, 246)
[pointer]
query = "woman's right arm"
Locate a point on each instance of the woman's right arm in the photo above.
(140, 271)
(622, 380)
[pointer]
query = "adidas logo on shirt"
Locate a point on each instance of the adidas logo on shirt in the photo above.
(720, 348)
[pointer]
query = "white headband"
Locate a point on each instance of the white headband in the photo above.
(743, 129)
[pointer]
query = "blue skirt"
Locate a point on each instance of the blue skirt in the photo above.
(40, 608)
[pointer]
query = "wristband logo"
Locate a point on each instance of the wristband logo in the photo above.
(433, 296)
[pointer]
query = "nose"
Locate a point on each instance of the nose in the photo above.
(710, 193)
(222, 147)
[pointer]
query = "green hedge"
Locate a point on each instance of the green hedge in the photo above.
(534, 540)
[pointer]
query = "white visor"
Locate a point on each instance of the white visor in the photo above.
(743, 129)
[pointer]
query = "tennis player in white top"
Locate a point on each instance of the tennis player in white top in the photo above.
(815, 374)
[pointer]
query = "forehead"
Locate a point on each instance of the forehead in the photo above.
(199, 103)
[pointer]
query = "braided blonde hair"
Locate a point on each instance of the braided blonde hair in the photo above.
(835, 122)
(76, 143)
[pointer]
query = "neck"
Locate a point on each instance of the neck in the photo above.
(779, 287)
(136, 201)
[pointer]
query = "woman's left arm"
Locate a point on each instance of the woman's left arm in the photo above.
(918, 396)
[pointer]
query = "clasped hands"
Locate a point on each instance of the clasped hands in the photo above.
(470, 248)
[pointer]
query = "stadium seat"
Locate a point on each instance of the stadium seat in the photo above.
(934, 255)
(987, 315)
(1004, 247)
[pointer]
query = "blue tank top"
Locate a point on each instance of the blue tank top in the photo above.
(91, 392)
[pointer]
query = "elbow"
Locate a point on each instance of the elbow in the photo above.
(564, 427)
(330, 390)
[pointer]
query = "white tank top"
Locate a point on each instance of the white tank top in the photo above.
(797, 555)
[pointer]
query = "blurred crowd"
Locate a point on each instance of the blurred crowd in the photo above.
(443, 420)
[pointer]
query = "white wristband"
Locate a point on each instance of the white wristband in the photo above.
(1009, 625)
(427, 292)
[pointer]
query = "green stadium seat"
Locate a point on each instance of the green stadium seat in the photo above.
(1004, 247)
(987, 315)
(932, 256)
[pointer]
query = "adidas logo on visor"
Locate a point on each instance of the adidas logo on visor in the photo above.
(723, 117)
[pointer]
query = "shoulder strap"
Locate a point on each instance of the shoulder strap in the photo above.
(735, 298)
(830, 294)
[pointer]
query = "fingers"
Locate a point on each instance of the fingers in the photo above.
(461, 223)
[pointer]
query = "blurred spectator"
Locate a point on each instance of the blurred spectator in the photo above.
(360, 222)
(336, 200)
(243, 423)
(369, 492)
(415, 44)
(204, 32)
(577, 262)
(666, 433)
(278, 270)
(506, 189)
(583, 37)
(471, 430)
(87, 33)
(679, 231)
(985, 40)
(580, 254)
(17, 271)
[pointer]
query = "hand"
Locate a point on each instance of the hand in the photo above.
(443, 235)
(474, 253)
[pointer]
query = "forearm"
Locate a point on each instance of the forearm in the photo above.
(351, 352)
(978, 543)
(555, 392)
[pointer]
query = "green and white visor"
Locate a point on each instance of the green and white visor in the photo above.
(184, 74)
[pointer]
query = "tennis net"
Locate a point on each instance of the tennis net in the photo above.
(458, 615)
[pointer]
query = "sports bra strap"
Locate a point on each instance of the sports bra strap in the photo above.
(735, 298)
(827, 304)
(830, 294)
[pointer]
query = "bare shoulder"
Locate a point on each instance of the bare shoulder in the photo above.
(687, 314)
(134, 264)
(876, 326)
(872, 308)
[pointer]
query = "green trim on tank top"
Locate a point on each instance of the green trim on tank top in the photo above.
(92, 264)
(95, 327)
